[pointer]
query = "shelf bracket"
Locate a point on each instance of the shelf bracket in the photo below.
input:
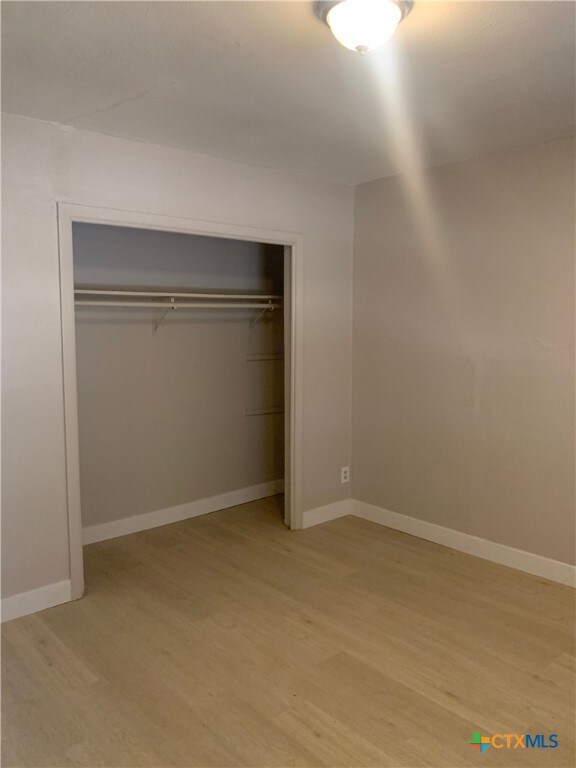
(163, 315)
(260, 315)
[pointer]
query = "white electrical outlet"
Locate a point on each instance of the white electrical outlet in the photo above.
(345, 475)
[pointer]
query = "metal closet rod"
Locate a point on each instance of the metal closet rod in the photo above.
(175, 305)
(169, 295)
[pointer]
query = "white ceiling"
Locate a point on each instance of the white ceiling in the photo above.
(266, 83)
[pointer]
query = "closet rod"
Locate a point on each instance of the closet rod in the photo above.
(174, 305)
(168, 295)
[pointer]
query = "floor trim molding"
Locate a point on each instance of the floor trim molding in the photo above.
(564, 573)
(36, 600)
(126, 525)
(61, 592)
(326, 513)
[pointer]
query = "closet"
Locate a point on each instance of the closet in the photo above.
(180, 374)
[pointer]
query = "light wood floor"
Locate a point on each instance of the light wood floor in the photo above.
(229, 641)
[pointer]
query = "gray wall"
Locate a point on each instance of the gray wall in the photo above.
(463, 387)
(43, 163)
(140, 257)
(162, 415)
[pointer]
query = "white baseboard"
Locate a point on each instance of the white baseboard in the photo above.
(472, 545)
(61, 592)
(126, 525)
(36, 600)
(326, 513)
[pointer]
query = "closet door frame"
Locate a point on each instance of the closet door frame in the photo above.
(68, 214)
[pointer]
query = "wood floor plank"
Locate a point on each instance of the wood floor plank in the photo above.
(227, 640)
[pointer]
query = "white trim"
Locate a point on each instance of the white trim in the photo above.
(61, 592)
(149, 520)
(294, 382)
(36, 600)
(294, 331)
(72, 468)
(326, 513)
(472, 545)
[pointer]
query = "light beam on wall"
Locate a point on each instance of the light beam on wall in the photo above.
(402, 139)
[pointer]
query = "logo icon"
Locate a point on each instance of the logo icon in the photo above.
(514, 741)
(482, 742)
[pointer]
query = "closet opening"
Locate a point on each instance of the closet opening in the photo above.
(179, 350)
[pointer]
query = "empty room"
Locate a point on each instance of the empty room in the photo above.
(288, 384)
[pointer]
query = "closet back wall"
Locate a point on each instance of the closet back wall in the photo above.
(162, 414)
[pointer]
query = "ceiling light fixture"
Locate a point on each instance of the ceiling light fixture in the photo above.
(362, 25)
